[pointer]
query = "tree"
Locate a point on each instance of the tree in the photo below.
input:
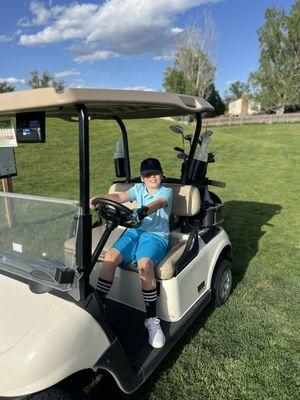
(193, 70)
(213, 97)
(236, 90)
(45, 80)
(4, 87)
(174, 80)
(196, 54)
(276, 83)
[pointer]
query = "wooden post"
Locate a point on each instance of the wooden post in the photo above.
(9, 205)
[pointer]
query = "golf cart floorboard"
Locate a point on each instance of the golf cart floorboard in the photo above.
(127, 324)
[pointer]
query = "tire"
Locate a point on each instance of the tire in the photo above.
(221, 283)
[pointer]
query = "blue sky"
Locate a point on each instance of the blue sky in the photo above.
(123, 43)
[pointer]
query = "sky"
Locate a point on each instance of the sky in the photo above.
(124, 44)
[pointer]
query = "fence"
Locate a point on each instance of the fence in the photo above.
(253, 119)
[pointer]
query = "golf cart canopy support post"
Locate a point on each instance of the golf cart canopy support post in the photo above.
(126, 148)
(83, 242)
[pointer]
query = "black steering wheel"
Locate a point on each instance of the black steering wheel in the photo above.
(114, 212)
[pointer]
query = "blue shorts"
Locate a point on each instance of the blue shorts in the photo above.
(135, 244)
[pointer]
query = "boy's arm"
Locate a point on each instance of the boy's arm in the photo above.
(163, 201)
(142, 212)
(119, 197)
(156, 205)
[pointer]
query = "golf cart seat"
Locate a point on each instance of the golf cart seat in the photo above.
(186, 202)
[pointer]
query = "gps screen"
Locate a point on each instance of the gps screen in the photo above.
(30, 127)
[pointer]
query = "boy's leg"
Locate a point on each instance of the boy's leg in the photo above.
(150, 251)
(152, 323)
(148, 282)
(112, 259)
(122, 250)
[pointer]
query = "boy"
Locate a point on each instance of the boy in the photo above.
(146, 245)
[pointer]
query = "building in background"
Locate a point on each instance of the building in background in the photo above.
(243, 107)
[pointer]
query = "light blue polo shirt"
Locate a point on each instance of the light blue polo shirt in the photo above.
(157, 222)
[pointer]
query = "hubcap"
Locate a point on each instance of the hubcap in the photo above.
(225, 284)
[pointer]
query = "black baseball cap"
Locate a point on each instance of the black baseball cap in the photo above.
(150, 165)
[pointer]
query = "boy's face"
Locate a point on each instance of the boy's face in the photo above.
(152, 180)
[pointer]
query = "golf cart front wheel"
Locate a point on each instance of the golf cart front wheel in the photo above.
(221, 283)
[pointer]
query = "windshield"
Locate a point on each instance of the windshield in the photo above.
(33, 232)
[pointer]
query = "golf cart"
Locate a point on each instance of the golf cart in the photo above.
(53, 323)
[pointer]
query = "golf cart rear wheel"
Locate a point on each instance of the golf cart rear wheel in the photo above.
(221, 283)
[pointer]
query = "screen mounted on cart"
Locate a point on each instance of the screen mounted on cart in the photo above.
(30, 127)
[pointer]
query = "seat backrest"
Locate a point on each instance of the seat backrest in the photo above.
(186, 198)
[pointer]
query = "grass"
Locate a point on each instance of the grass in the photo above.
(249, 348)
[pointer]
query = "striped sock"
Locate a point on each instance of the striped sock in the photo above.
(150, 297)
(103, 286)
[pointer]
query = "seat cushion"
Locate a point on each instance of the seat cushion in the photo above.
(186, 198)
(164, 270)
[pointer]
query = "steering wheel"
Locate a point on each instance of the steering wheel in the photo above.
(115, 212)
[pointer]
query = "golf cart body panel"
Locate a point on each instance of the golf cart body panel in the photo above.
(102, 103)
(43, 339)
(67, 329)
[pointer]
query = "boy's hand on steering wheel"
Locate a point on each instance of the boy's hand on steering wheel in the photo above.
(92, 207)
(139, 214)
(142, 212)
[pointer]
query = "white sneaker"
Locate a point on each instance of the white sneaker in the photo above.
(156, 337)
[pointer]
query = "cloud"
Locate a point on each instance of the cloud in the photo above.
(79, 83)
(143, 88)
(111, 28)
(166, 56)
(42, 15)
(175, 31)
(4, 38)
(64, 74)
(12, 81)
(96, 56)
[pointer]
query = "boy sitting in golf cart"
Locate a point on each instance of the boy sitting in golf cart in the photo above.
(144, 246)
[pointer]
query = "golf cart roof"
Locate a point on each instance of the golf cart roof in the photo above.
(101, 103)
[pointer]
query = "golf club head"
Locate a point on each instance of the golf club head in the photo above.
(177, 129)
(189, 138)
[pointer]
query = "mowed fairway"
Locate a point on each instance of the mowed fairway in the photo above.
(249, 348)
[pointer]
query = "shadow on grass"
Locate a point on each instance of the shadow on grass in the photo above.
(244, 223)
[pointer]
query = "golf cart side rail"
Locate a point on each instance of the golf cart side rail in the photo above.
(101, 103)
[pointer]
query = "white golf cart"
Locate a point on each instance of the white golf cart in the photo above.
(53, 323)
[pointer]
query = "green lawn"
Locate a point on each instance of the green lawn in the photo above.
(249, 348)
